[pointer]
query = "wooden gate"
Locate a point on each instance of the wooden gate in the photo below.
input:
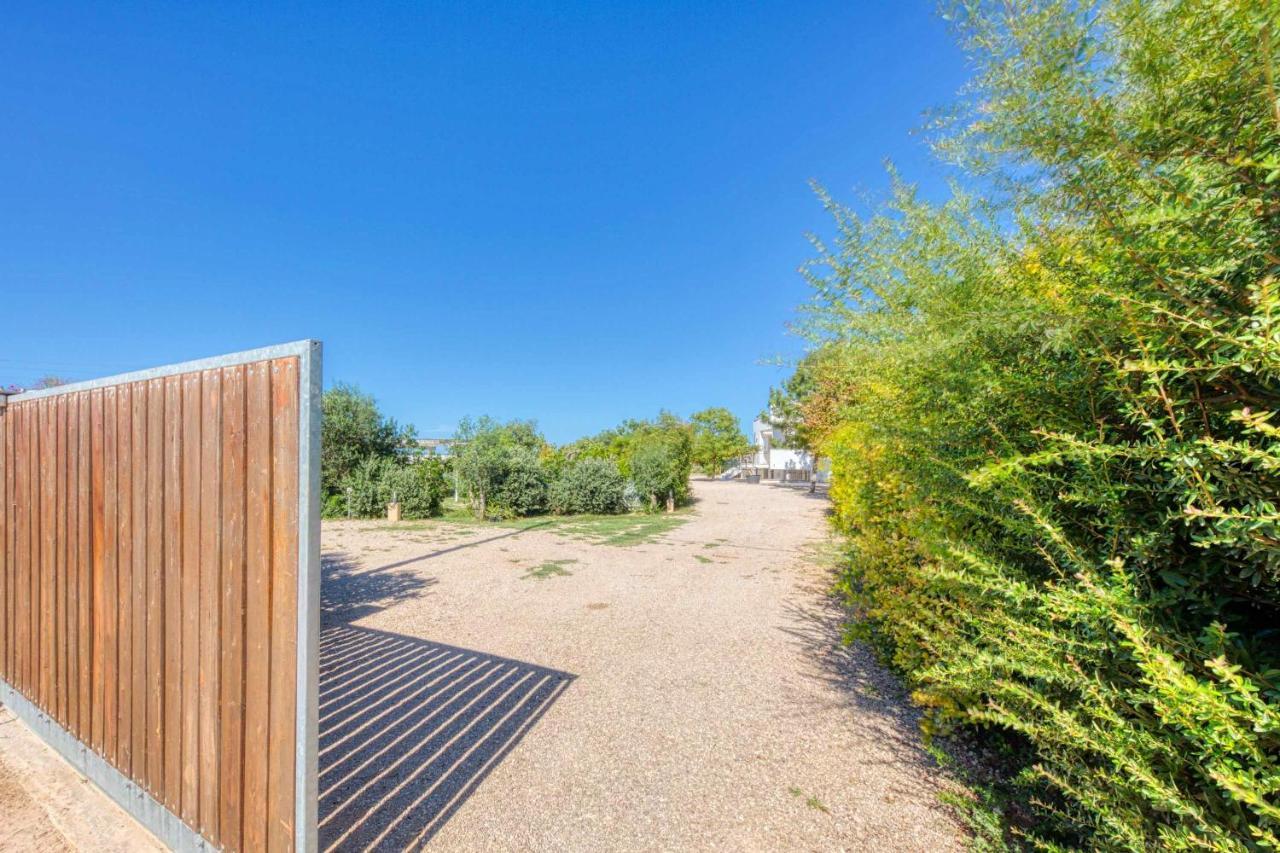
(160, 586)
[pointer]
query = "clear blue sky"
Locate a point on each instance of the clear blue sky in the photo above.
(577, 215)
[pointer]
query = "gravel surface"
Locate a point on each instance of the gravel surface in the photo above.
(485, 688)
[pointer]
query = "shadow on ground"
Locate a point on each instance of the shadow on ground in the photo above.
(348, 592)
(408, 728)
(862, 684)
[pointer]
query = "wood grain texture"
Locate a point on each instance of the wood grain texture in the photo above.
(148, 585)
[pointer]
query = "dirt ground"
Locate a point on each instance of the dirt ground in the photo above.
(488, 688)
(47, 807)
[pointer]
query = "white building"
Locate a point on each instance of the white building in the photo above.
(773, 460)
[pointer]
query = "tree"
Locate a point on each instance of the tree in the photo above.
(660, 465)
(501, 466)
(353, 430)
(717, 439)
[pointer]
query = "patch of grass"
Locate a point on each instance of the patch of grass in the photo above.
(810, 800)
(711, 545)
(549, 569)
(618, 530)
(702, 559)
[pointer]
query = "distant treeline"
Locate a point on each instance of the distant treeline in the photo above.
(508, 469)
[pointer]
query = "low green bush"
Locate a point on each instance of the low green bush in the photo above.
(419, 487)
(593, 486)
(521, 488)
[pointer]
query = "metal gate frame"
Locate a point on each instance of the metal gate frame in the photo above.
(167, 826)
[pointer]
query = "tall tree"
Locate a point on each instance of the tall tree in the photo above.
(717, 439)
(353, 430)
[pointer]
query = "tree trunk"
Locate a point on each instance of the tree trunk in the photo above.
(671, 501)
(483, 504)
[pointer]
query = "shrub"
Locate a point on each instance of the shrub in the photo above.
(1051, 414)
(660, 467)
(589, 486)
(418, 486)
(522, 486)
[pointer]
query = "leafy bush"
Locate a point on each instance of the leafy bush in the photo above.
(501, 466)
(589, 486)
(522, 487)
(660, 467)
(1051, 416)
(418, 486)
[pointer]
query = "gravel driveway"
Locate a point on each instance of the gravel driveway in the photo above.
(486, 688)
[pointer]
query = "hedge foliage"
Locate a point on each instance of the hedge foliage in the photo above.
(589, 486)
(1050, 403)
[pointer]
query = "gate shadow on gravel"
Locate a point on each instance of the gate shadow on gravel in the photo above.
(348, 592)
(409, 728)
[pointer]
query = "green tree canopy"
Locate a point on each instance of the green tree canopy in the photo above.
(353, 430)
(717, 439)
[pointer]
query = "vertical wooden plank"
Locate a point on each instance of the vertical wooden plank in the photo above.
(124, 578)
(190, 596)
(257, 666)
(34, 600)
(155, 586)
(71, 576)
(48, 542)
(6, 584)
(98, 528)
(210, 597)
(83, 557)
(58, 641)
(25, 558)
(137, 686)
(233, 581)
(111, 583)
(173, 612)
(284, 596)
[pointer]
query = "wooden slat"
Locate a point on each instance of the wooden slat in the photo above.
(190, 597)
(27, 550)
(233, 582)
(70, 576)
(138, 589)
(6, 559)
(84, 602)
(36, 498)
(257, 670)
(48, 607)
(98, 615)
(155, 587)
(58, 559)
(173, 612)
(111, 575)
(210, 597)
(124, 575)
(48, 553)
(284, 597)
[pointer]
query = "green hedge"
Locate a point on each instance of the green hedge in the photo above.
(594, 486)
(1050, 407)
